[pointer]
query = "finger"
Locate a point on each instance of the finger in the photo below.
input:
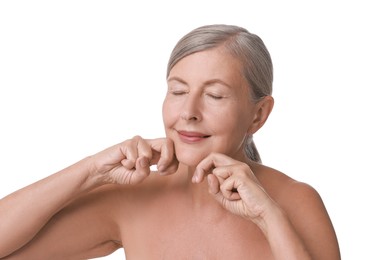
(133, 149)
(215, 191)
(128, 163)
(144, 149)
(151, 149)
(164, 155)
(168, 163)
(142, 170)
(223, 172)
(171, 169)
(228, 184)
(156, 147)
(208, 164)
(229, 188)
(129, 149)
(213, 184)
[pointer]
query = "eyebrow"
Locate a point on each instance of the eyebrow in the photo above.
(208, 82)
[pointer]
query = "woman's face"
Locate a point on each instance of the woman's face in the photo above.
(207, 107)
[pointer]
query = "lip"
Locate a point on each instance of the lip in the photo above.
(191, 136)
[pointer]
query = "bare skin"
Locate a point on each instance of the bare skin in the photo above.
(207, 200)
(179, 219)
(200, 228)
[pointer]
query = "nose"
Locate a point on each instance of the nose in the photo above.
(191, 108)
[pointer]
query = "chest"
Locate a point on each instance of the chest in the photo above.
(180, 235)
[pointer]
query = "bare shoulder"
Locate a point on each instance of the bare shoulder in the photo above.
(287, 191)
(298, 199)
(304, 207)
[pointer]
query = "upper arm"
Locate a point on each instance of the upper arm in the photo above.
(86, 228)
(310, 218)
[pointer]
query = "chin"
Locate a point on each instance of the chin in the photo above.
(189, 158)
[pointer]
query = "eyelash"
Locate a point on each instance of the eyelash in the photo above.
(213, 96)
(178, 93)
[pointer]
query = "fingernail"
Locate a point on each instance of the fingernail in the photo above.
(194, 178)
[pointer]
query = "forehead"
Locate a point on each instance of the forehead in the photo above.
(212, 64)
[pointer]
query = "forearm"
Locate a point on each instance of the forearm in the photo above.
(24, 212)
(283, 239)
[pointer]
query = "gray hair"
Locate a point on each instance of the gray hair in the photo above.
(248, 48)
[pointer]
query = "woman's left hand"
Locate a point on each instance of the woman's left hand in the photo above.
(234, 185)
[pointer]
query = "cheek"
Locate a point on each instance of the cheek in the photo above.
(227, 120)
(165, 113)
(168, 113)
(232, 124)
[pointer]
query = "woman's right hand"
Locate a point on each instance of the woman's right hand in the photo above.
(124, 163)
(129, 162)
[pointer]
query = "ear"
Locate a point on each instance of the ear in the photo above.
(263, 110)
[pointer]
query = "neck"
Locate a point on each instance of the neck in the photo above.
(198, 192)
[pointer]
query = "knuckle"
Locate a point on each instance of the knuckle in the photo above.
(136, 138)
(242, 170)
(245, 167)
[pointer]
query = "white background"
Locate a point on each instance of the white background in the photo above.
(78, 76)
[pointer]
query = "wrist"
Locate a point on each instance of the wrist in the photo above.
(281, 235)
(270, 217)
(94, 177)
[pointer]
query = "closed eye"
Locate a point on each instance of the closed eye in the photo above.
(214, 96)
(178, 93)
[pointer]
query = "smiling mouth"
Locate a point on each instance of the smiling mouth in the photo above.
(192, 137)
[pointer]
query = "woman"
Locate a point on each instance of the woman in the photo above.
(211, 199)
